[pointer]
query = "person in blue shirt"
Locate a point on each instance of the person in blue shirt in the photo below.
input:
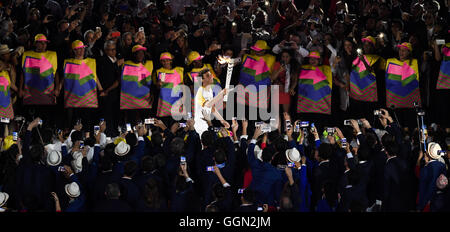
(266, 179)
(434, 167)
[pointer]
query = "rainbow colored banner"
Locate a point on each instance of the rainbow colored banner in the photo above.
(135, 85)
(314, 89)
(170, 80)
(39, 76)
(80, 83)
(444, 72)
(193, 76)
(256, 70)
(6, 109)
(363, 84)
(402, 83)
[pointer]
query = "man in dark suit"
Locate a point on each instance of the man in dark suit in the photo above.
(109, 70)
(112, 202)
(128, 188)
(397, 183)
(323, 173)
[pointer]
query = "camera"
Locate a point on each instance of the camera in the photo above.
(291, 164)
(81, 144)
(40, 122)
(210, 168)
(183, 160)
(149, 121)
(15, 136)
(377, 113)
(96, 129)
(240, 191)
(61, 169)
(330, 130)
(313, 128)
(216, 129)
(440, 41)
(257, 124)
(182, 124)
(128, 127)
(347, 122)
(189, 115)
(304, 124)
(4, 120)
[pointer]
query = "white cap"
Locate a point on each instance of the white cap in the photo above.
(433, 150)
(293, 155)
(73, 190)
(3, 198)
(122, 148)
(54, 158)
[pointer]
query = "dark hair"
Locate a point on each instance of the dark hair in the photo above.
(37, 152)
(112, 191)
(220, 156)
(76, 136)
(363, 152)
(151, 194)
(131, 139)
(390, 144)
(325, 151)
(218, 191)
(248, 195)
(267, 154)
(208, 138)
(177, 146)
(203, 72)
(148, 164)
(47, 135)
(160, 160)
(130, 168)
(157, 139)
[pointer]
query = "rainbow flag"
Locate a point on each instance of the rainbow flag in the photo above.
(170, 79)
(256, 70)
(6, 109)
(314, 89)
(444, 72)
(193, 76)
(80, 83)
(39, 76)
(402, 83)
(135, 85)
(363, 84)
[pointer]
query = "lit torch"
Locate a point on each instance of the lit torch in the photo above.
(230, 64)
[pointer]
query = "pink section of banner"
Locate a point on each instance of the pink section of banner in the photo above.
(395, 69)
(407, 71)
(259, 66)
(45, 64)
(4, 82)
(173, 78)
(141, 72)
(446, 51)
(31, 62)
(83, 70)
(315, 75)
(360, 64)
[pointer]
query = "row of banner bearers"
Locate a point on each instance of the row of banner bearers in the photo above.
(80, 83)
